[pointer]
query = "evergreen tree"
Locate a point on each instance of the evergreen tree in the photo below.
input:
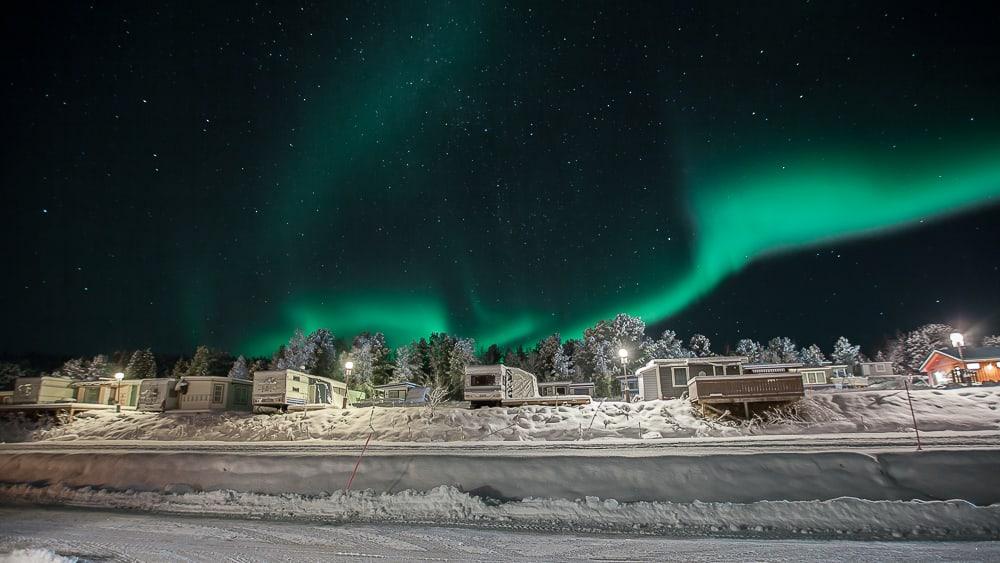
(9, 372)
(544, 356)
(780, 350)
(562, 369)
(405, 367)
(463, 353)
(74, 369)
(751, 349)
(98, 368)
(181, 368)
(299, 354)
(492, 355)
(846, 353)
(991, 340)
(142, 365)
(321, 348)
(201, 363)
(239, 369)
(812, 355)
(701, 346)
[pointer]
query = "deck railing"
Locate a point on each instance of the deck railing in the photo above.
(738, 388)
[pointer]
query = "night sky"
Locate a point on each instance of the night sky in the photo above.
(221, 173)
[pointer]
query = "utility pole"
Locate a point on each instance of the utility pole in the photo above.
(906, 384)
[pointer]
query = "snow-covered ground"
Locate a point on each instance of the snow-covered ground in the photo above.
(100, 536)
(846, 517)
(820, 413)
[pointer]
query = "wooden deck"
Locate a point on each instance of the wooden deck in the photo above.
(735, 389)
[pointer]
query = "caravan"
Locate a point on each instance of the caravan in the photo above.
(282, 389)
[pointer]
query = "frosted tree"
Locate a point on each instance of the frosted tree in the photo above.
(181, 368)
(201, 363)
(9, 372)
(405, 366)
(321, 349)
(239, 369)
(991, 340)
(919, 343)
(780, 350)
(846, 353)
(142, 365)
(812, 355)
(562, 369)
(666, 346)
(298, 354)
(701, 346)
(751, 349)
(98, 367)
(74, 369)
(463, 353)
(544, 355)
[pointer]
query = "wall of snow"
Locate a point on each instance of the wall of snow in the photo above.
(742, 478)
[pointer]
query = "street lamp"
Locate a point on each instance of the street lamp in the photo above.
(348, 368)
(118, 386)
(958, 340)
(623, 355)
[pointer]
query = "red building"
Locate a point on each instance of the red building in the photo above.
(963, 365)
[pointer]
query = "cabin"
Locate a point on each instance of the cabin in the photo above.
(563, 388)
(42, 390)
(285, 389)
(966, 365)
(876, 369)
(211, 393)
(668, 378)
(104, 392)
(158, 395)
(400, 394)
(812, 376)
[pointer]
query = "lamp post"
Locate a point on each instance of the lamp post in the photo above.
(118, 386)
(348, 368)
(623, 355)
(958, 341)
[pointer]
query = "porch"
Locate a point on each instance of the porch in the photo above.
(707, 391)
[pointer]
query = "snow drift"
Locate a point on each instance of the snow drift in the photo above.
(867, 411)
(447, 505)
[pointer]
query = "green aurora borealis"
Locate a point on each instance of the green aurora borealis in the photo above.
(225, 175)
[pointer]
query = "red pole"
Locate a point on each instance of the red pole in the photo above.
(906, 384)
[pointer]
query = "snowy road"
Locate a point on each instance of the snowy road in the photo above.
(95, 535)
(869, 442)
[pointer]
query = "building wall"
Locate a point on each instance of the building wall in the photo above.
(202, 396)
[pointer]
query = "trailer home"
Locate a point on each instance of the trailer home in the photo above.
(158, 395)
(499, 385)
(103, 391)
(282, 389)
(213, 393)
(41, 390)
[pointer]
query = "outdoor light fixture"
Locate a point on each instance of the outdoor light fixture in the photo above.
(348, 368)
(957, 340)
(118, 395)
(623, 354)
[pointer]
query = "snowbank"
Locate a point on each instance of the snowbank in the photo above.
(865, 411)
(35, 556)
(447, 505)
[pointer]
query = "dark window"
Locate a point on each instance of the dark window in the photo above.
(733, 370)
(680, 377)
(482, 380)
(217, 391)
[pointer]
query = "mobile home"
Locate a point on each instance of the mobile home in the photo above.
(41, 390)
(103, 391)
(158, 395)
(213, 393)
(499, 385)
(563, 388)
(400, 394)
(668, 378)
(282, 389)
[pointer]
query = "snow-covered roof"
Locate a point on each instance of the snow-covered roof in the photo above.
(397, 385)
(968, 354)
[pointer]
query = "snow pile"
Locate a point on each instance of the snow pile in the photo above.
(827, 412)
(35, 556)
(673, 418)
(448, 505)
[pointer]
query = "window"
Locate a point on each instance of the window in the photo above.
(295, 389)
(733, 369)
(880, 368)
(840, 372)
(482, 380)
(680, 377)
(217, 391)
(295, 378)
(813, 377)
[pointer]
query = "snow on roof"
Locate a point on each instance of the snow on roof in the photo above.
(967, 354)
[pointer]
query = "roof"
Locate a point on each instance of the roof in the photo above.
(967, 354)
(540, 383)
(398, 384)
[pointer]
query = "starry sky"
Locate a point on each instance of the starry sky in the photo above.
(222, 173)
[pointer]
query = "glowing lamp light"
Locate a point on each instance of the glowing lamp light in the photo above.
(622, 353)
(119, 376)
(957, 339)
(349, 365)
